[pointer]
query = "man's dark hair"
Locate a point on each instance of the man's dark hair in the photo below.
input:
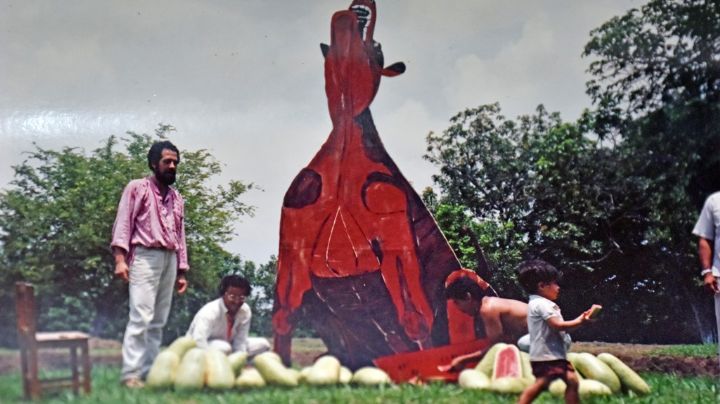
(234, 281)
(155, 152)
(460, 287)
(533, 272)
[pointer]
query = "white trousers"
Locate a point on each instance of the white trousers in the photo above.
(152, 282)
(717, 317)
(256, 345)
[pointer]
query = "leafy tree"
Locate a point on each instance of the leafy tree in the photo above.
(664, 53)
(540, 187)
(478, 244)
(657, 85)
(262, 279)
(612, 198)
(656, 81)
(538, 176)
(55, 225)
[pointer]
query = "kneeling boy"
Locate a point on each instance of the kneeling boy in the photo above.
(504, 320)
(224, 323)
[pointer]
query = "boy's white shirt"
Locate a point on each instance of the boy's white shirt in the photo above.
(546, 344)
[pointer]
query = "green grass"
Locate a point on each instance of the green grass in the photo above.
(107, 390)
(701, 350)
(8, 352)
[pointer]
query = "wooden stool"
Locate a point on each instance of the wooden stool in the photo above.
(31, 342)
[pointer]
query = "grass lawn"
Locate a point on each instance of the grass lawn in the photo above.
(667, 388)
(702, 350)
(106, 389)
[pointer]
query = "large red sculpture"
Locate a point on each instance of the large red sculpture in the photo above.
(361, 260)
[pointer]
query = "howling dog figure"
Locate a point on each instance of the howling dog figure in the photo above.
(361, 260)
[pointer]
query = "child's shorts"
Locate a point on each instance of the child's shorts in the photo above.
(552, 370)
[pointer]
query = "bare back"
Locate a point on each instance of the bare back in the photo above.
(504, 319)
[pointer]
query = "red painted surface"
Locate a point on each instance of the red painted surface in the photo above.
(360, 258)
(423, 365)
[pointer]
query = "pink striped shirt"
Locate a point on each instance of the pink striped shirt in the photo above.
(145, 219)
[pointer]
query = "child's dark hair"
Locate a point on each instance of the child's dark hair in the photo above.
(155, 152)
(461, 287)
(533, 272)
(234, 281)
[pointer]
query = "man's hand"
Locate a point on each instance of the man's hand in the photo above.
(453, 366)
(181, 283)
(121, 267)
(458, 363)
(705, 253)
(122, 271)
(445, 368)
(711, 283)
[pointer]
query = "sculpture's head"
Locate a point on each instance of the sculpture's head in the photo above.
(354, 61)
(366, 15)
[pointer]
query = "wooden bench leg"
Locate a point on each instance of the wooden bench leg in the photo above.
(24, 369)
(74, 367)
(32, 374)
(85, 357)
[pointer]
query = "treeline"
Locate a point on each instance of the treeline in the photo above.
(56, 220)
(610, 199)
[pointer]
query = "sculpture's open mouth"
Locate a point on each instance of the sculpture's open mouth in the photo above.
(364, 16)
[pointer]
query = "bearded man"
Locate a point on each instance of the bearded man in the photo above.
(148, 243)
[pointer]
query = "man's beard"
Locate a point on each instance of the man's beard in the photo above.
(166, 178)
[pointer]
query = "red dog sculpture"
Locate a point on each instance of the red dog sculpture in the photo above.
(361, 259)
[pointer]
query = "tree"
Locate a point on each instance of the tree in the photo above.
(55, 225)
(610, 199)
(479, 244)
(537, 187)
(656, 84)
(543, 178)
(656, 81)
(665, 53)
(262, 279)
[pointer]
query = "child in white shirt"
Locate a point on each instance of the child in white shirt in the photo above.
(549, 340)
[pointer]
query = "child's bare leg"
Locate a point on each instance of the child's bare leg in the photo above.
(571, 392)
(531, 393)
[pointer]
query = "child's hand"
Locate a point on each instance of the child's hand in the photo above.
(592, 313)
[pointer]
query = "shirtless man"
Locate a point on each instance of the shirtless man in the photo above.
(505, 320)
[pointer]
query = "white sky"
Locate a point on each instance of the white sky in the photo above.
(244, 78)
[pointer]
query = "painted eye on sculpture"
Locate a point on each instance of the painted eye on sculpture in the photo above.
(364, 16)
(362, 12)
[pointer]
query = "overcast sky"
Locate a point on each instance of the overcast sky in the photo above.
(244, 78)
